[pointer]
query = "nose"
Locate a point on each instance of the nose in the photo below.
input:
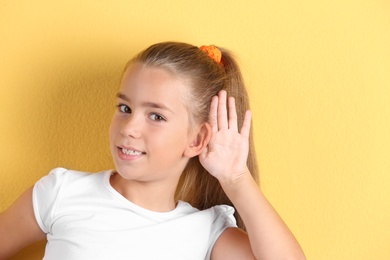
(131, 126)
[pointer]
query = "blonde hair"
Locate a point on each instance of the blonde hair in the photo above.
(205, 78)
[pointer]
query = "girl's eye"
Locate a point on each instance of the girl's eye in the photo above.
(156, 117)
(124, 109)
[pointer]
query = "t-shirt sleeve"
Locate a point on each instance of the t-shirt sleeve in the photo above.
(223, 219)
(45, 197)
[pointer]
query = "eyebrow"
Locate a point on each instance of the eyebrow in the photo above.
(145, 104)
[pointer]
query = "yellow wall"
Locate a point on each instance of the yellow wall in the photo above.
(318, 73)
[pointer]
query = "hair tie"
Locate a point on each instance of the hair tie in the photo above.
(213, 52)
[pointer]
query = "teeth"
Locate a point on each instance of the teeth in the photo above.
(130, 152)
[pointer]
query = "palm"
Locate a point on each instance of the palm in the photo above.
(226, 155)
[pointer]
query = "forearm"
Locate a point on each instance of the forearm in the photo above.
(269, 237)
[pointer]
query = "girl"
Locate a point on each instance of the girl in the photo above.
(183, 154)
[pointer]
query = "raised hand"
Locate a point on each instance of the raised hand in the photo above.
(226, 159)
(226, 155)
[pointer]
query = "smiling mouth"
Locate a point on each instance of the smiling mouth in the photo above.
(131, 152)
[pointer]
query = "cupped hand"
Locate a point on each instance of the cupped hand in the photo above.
(226, 155)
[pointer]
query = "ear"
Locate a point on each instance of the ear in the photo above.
(200, 139)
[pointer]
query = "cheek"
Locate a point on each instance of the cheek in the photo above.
(170, 139)
(179, 139)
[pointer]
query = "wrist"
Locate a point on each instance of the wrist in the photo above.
(237, 182)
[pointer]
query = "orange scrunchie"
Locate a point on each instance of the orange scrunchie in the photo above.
(213, 52)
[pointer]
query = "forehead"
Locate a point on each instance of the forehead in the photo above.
(149, 84)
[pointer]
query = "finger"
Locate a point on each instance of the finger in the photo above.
(222, 111)
(213, 114)
(232, 113)
(246, 125)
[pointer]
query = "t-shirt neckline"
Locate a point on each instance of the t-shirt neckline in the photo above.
(107, 184)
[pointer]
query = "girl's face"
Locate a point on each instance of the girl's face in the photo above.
(149, 132)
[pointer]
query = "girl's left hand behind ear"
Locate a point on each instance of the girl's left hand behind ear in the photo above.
(226, 155)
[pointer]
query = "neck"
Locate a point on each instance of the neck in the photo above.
(154, 196)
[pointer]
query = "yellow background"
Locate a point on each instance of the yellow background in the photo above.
(318, 74)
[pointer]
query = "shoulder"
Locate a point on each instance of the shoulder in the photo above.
(62, 185)
(61, 176)
(224, 215)
(233, 243)
(218, 217)
(61, 181)
(61, 173)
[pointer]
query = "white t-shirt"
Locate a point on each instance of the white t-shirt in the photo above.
(86, 218)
